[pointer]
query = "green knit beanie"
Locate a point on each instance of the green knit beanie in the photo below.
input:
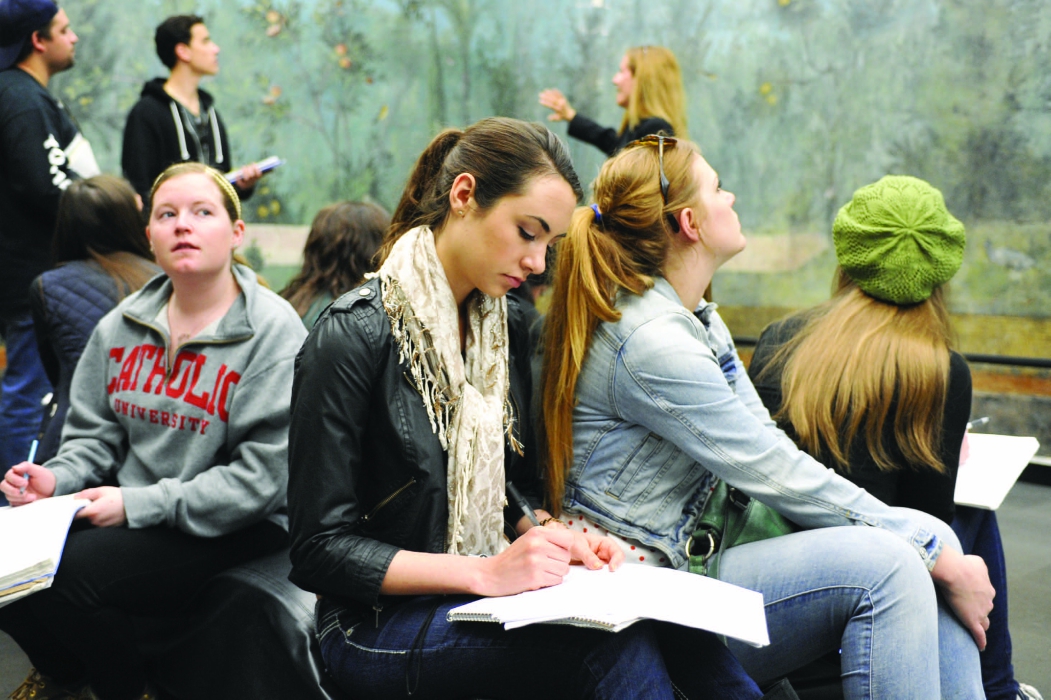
(897, 240)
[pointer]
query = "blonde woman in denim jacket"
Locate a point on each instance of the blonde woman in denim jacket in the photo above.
(645, 401)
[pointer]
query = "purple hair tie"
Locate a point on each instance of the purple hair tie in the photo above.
(598, 214)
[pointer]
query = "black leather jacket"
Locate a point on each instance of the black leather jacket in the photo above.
(366, 473)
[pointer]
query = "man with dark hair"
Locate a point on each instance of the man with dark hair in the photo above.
(41, 152)
(174, 120)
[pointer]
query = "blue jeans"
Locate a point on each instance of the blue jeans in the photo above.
(24, 385)
(866, 592)
(979, 534)
(410, 648)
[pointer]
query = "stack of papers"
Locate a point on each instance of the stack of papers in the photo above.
(34, 536)
(993, 465)
(602, 599)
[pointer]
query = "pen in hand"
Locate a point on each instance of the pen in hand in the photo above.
(32, 455)
(977, 422)
(522, 503)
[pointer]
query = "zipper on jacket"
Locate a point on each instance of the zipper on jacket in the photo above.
(378, 608)
(411, 383)
(387, 500)
(168, 366)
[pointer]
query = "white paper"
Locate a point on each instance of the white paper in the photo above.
(33, 537)
(993, 465)
(634, 592)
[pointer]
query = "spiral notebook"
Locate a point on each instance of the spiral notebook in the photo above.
(612, 601)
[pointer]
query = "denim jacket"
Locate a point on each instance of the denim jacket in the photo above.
(664, 403)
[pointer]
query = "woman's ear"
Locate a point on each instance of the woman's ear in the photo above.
(239, 234)
(461, 193)
(689, 224)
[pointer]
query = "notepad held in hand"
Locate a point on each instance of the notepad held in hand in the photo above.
(265, 166)
(612, 601)
(993, 466)
(34, 536)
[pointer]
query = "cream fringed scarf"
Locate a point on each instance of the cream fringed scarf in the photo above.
(464, 398)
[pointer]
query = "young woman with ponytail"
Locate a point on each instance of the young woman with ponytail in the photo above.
(645, 401)
(410, 410)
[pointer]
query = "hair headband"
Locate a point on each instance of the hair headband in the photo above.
(226, 188)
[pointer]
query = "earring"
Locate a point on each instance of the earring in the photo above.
(460, 212)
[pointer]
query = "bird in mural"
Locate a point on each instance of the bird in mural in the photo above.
(1013, 260)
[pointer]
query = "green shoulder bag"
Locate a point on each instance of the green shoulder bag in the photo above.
(730, 518)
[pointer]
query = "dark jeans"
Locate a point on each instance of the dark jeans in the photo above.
(24, 385)
(82, 629)
(411, 649)
(979, 534)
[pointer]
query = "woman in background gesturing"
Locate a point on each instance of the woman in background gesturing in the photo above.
(649, 90)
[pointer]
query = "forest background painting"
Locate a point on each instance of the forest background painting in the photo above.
(796, 103)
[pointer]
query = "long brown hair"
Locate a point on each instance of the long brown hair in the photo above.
(504, 155)
(598, 260)
(658, 90)
(857, 358)
(342, 241)
(98, 219)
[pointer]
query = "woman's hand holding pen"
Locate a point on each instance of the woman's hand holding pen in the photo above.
(541, 557)
(27, 482)
(106, 508)
(537, 559)
(555, 101)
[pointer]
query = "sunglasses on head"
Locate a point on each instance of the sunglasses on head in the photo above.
(659, 140)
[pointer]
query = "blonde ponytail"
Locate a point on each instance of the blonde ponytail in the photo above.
(617, 249)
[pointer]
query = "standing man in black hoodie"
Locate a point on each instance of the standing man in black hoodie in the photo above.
(174, 120)
(41, 152)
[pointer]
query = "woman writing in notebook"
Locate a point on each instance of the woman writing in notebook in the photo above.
(410, 410)
(882, 347)
(177, 434)
(645, 401)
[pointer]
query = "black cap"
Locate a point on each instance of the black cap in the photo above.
(18, 20)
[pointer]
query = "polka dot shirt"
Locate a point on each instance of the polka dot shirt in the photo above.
(634, 553)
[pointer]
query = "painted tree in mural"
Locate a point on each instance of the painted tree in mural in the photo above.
(796, 102)
(310, 92)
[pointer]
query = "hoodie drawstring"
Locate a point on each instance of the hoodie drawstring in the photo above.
(183, 151)
(215, 135)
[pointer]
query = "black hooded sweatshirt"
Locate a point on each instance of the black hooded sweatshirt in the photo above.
(160, 131)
